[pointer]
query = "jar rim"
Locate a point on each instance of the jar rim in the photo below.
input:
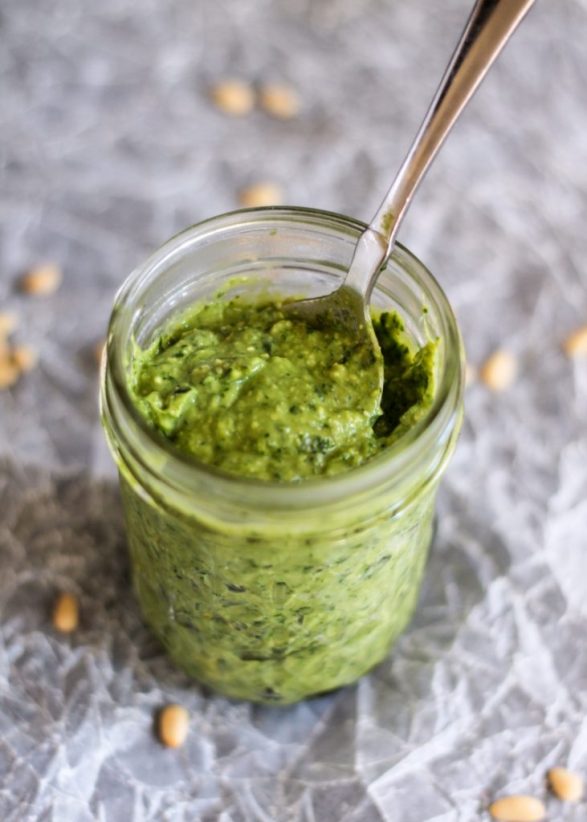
(184, 472)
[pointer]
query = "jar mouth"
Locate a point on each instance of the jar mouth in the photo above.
(149, 451)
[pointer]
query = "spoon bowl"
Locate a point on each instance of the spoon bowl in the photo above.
(348, 308)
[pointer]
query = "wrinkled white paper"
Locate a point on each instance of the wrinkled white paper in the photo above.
(110, 145)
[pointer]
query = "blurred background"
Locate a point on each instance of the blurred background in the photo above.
(114, 135)
(111, 143)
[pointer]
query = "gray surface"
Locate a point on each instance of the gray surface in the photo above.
(108, 145)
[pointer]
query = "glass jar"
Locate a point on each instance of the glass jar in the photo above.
(265, 591)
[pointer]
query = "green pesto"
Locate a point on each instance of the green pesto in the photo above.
(271, 615)
(275, 617)
(257, 393)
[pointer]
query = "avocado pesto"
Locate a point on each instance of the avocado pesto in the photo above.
(255, 392)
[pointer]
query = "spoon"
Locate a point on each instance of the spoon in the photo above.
(488, 29)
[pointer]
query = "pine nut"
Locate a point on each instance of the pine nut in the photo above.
(565, 784)
(499, 371)
(233, 97)
(99, 351)
(280, 101)
(66, 613)
(8, 323)
(173, 725)
(576, 343)
(42, 280)
(9, 372)
(261, 194)
(518, 809)
(24, 358)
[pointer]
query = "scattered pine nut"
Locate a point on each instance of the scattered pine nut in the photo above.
(8, 323)
(42, 280)
(518, 809)
(280, 101)
(261, 194)
(565, 784)
(24, 358)
(499, 371)
(576, 343)
(234, 97)
(9, 373)
(66, 613)
(99, 351)
(173, 725)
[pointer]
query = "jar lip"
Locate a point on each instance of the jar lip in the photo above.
(391, 464)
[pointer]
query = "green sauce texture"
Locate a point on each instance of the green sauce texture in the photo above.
(248, 389)
(268, 613)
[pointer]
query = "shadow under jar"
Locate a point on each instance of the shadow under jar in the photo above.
(266, 591)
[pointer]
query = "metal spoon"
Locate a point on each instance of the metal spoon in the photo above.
(488, 29)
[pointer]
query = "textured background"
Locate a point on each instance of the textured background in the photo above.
(108, 145)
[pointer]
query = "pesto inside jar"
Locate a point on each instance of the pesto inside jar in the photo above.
(256, 392)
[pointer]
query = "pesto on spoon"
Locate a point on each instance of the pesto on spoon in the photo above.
(488, 29)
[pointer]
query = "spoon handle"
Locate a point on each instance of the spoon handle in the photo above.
(488, 29)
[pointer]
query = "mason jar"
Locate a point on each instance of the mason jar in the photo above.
(269, 591)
